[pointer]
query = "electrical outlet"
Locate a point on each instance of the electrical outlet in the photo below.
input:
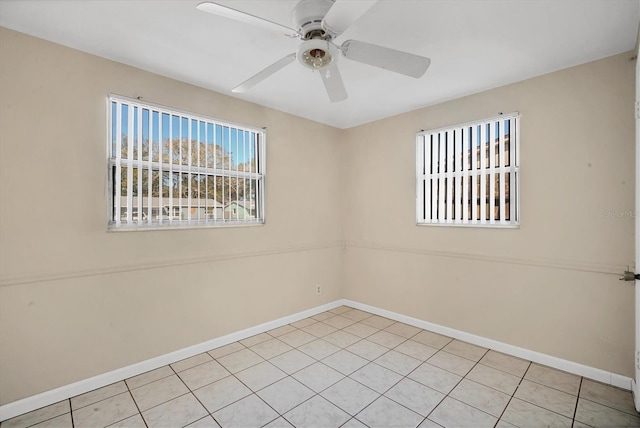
(318, 289)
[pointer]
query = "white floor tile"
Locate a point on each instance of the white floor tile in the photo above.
(254, 340)
(385, 413)
(350, 395)
(354, 423)
(191, 362)
(261, 375)
(376, 377)
(62, 421)
(339, 321)
(345, 362)
(417, 397)
(494, 378)
(367, 349)
(361, 330)
(204, 374)
(297, 338)
(319, 329)
(292, 361)
(276, 332)
(319, 349)
(386, 339)
(279, 423)
(452, 363)
(435, 378)
(134, 421)
(341, 338)
(251, 411)
(598, 415)
(318, 376)
(356, 314)
(38, 416)
(105, 412)
(271, 348)
(285, 394)
(429, 338)
(465, 350)
(398, 362)
(416, 350)
(547, 398)
(148, 377)
(316, 412)
(226, 350)
(158, 392)
(553, 378)
(505, 363)
(481, 397)
(206, 422)
(240, 360)
(219, 394)
(180, 411)
(98, 395)
(453, 413)
(378, 321)
(525, 415)
(354, 377)
(607, 395)
(403, 330)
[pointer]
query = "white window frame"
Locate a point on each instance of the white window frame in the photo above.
(190, 210)
(452, 172)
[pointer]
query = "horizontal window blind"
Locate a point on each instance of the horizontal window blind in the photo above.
(173, 169)
(469, 174)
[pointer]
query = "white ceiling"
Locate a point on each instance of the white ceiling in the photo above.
(474, 45)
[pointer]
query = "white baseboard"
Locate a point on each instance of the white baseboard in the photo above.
(527, 354)
(636, 395)
(10, 410)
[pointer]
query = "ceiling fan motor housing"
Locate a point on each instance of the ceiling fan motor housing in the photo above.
(308, 16)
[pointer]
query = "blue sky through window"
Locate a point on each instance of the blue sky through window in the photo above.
(235, 143)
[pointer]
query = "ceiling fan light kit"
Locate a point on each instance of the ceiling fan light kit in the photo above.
(317, 54)
(317, 23)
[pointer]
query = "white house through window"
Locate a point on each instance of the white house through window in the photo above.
(468, 174)
(174, 169)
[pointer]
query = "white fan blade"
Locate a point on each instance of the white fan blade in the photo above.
(272, 69)
(333, 84)
(227, 12)
(344, 13)
(389, 59)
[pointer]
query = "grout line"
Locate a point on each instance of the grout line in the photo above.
(71, 413)
(575, 411)
(387, 351)
(368, 362)
(554, 388)
(448, 394)
(537, 405)
(513, 394)
(136, 404)
(610, 408)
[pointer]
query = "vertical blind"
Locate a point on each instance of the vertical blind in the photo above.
(172, 169)
(469, 174)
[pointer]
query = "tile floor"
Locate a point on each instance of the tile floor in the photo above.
(346, 368)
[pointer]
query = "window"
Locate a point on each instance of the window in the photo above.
(175, 169)
(468, 175)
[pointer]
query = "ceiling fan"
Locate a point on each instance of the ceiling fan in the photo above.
(317, 24)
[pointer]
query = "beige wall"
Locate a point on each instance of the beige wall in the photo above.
(551, 285)
(76, 300)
